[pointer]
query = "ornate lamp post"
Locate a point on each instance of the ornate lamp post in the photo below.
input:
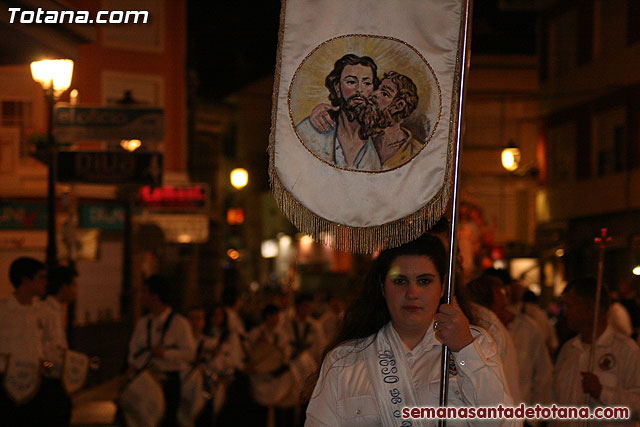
(55, 77)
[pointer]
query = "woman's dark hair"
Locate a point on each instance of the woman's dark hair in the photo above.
(369, 313)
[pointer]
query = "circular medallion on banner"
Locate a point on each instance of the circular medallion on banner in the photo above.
(365, 103)
(606, 362)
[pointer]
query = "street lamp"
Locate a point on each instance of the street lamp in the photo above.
(511, 157)
(239, 178)
(55, 77)
(130, 145)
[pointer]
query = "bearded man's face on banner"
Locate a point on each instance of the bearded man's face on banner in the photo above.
(356, 84)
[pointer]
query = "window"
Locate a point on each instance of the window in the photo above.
(563, 43)
(19, 115)
(609, 133)
(609, 24)
(633, 21)
(585, 32)
(561, 153)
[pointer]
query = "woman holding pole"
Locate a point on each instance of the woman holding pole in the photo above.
(387, 355)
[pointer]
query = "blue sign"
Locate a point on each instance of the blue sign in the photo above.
(23, 216)
(103, 217)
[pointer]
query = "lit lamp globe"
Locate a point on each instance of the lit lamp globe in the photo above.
(239, 178)
(511, 158)
(53, 74)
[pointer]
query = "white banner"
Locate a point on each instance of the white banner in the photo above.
(74, 370)
(364, 119)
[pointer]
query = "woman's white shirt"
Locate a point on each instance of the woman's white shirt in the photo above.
(344, 395)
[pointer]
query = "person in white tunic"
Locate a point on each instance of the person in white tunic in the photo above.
(232, 305)
(615, 380)
(483, 317)
(21, 340)
(162, 341)
(618, 317)
(487, 320)
(196, 405)
(534, 363)
(303, 332)
(390, 346)
(227, 363)
(531, 308)
(61, 291)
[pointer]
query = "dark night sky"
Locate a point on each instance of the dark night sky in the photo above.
(232, 43)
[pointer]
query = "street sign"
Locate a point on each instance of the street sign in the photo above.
(179, 197)
(73, 123)
(105, 167)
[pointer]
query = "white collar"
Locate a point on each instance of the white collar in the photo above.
(427, 342)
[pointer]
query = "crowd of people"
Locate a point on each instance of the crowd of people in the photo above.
(314, 363)
(324, 362)
(211, 370)
(33, 328)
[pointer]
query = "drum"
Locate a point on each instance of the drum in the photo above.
(142, 401)
(22, 377)
(284, 390)
(74, 370)
(265, 358)
(269, 390)
(301, 368)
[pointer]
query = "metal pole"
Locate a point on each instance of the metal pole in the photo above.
(52, 253)
(444, 379)
(602, 242)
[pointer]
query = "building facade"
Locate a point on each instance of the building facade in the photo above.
(498, 206)
(120, 65)
(590, 87)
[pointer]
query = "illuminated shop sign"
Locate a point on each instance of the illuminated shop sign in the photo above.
(194, 196)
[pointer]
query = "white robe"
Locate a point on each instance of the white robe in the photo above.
(344, 394)
(617, 365)
(534, 364)
(488, 321)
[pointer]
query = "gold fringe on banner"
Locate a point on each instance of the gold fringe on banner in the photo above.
(364, 240)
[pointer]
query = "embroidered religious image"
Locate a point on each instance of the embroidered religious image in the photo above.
(364, 103)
